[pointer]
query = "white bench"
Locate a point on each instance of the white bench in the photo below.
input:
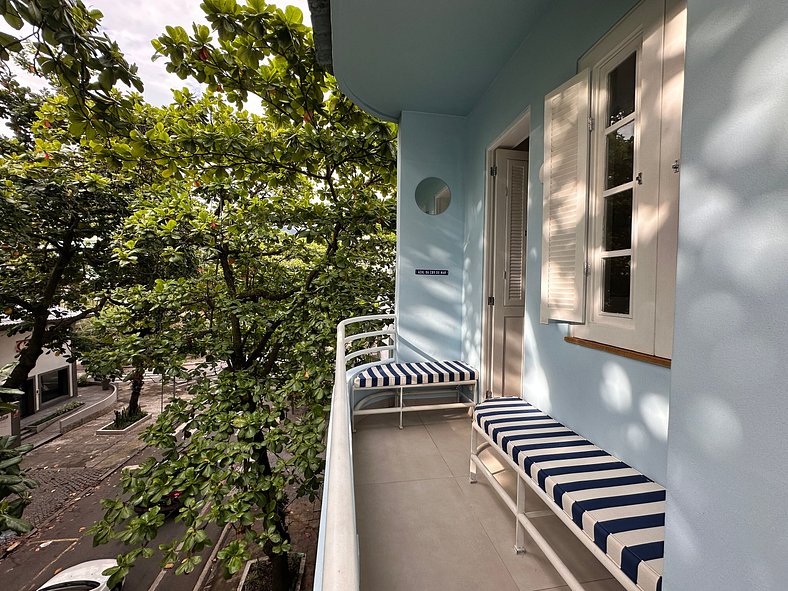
(615, 511)
(428, 378)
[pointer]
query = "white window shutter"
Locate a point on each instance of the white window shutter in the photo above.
(565, 177)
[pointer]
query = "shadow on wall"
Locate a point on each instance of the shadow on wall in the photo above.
(728, 402)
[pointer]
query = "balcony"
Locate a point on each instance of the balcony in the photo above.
(399, 512)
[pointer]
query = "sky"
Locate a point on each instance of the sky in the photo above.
(134, 23)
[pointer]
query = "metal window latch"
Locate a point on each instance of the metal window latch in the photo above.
(675, 166)
(639, 178)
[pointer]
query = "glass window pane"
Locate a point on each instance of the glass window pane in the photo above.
(618, 221)
(616, 286)
(620, 155)
(621, 86)
(54, 384)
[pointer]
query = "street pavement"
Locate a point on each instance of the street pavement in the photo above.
(78, 460)
(62, 542)
(75, 471)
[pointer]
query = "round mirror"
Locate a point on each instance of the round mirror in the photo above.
(433, 195)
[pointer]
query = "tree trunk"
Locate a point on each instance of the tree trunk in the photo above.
(280, 573)
(136, 389)
(30, 354)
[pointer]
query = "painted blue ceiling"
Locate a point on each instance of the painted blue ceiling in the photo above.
(436, 57)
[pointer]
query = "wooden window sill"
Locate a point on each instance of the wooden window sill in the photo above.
(661, 361)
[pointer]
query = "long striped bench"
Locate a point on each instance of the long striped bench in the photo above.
(618, 513)
(395, 378)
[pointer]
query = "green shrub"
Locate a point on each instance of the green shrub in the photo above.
(123, 419)
(61, 411)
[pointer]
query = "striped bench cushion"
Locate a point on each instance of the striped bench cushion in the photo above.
(619, 509)
(408, 374)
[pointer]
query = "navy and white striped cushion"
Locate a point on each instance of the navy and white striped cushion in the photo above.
(619, 509)
(407, 374)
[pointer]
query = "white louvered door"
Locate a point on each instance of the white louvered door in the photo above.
(511, 192)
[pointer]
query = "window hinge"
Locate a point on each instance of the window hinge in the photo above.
(590, 124)
(491, 301)
(493, 171)
(587, 269)
(676, 166)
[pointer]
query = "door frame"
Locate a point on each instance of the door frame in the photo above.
(514, 134)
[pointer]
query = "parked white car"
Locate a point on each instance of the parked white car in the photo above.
(85, 576)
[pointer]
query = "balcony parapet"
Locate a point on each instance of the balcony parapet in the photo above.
(337, 567)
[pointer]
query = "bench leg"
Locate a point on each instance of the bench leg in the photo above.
(401, 405)
(472, 469)
(519, 535)
(352, 412)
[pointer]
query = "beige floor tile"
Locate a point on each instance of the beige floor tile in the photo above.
(422, 525)
(504, 474)
(392, 455)
(603, 585)
(453, 440)
(387, 421)
(447, 415)
(531, 571)
(575, 555)
(419, 535)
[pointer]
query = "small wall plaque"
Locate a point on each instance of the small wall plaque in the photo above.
(432, 271)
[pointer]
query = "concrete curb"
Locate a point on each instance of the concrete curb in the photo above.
(84, 415)
(206, 570)
(105, 431)
(53, 420)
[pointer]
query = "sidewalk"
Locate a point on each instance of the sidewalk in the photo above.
(89, 395)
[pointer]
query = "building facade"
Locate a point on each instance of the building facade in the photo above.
(615, 246)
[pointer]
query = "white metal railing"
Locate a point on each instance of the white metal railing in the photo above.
(337, 567)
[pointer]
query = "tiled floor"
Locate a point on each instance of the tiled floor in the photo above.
(422, 526)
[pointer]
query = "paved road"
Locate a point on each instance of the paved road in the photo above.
(62, 543)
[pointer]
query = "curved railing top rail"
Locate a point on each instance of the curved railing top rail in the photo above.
(337, 567)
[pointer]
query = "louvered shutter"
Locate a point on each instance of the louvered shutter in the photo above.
(565, 180)
(517, 176)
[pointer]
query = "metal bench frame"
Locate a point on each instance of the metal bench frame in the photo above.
(523, 522)
(436, 389)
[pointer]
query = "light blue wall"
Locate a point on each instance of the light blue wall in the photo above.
(618, 403)
(727, 526)
(429, 308)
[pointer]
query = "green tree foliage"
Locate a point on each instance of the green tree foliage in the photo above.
(18, 106)
(14, 484)
(59, 205)
(68, 46)
(274, 227)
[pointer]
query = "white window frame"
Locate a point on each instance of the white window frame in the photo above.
(656, 29)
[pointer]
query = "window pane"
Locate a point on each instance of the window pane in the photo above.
(618, 221)
(621, 85)
(620, 155)
(616, 295)
(54, 384)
